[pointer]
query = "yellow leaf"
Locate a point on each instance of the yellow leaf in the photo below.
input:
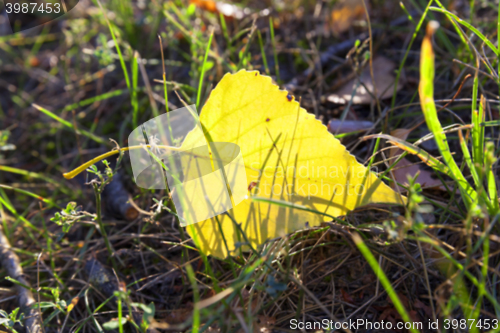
(289, 156)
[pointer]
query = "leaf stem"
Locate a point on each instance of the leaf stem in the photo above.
(72, 174)
(97, 192)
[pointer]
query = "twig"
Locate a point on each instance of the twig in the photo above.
(10, 262)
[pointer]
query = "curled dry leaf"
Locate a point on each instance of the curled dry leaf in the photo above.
(384, 80)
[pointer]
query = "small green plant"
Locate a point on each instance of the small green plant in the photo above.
(103, 178)
(118, 323)
(415, 207)
(69, 216)
(58, 304)
(148, 314)
(10, 319)
(413, 218)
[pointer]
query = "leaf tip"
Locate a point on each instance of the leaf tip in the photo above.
(432, 26)
(68, 175)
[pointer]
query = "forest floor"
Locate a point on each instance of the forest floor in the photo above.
(99, 253)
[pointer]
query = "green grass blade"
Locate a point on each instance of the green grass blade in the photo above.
(383, 279)
(94, 99)
(200, 84)
(414, 150)
(468, 160)
(263, 52)
(135, 80)
(477, 130)
(408, 14)
(400, 69)
(33, 195)
(491, 123)
(287, 204)
(31, 174)
(483, 38)
(426, 92)
(117, 46)
(165, 91)
(196, 298)
(457, 29)
(16, 214)
(70, 125)
(489, 160)
(225, 33)
(246, 47)
(273, 40)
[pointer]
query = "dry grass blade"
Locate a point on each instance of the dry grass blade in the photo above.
(414, 150)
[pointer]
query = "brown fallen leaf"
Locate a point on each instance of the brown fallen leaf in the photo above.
(405, 167)
(384, 80)
(344, 13)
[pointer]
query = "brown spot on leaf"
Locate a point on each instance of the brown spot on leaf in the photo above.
(252, 185)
